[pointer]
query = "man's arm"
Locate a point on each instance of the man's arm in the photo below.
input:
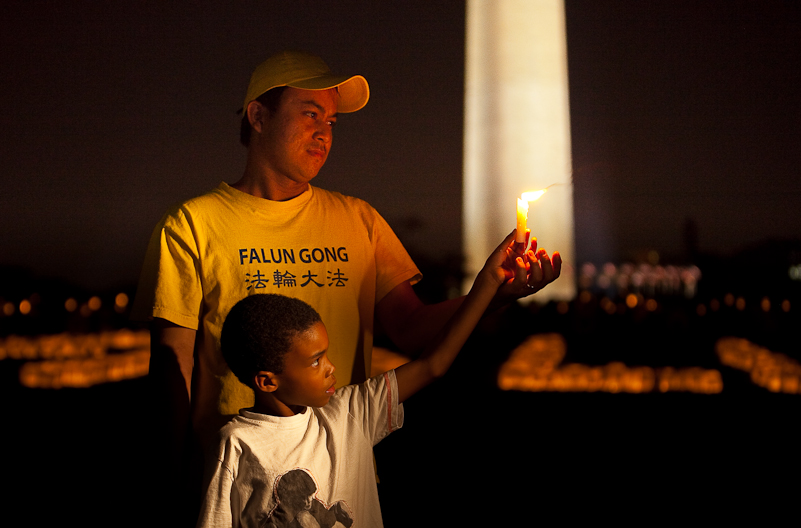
(412, 325)
(409, 323)
(171, 362)
(437, 359)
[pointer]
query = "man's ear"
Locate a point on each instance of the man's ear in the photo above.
(257, 113)
(265, 381)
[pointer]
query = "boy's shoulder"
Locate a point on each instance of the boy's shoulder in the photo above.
(372, 405)
(354, 396)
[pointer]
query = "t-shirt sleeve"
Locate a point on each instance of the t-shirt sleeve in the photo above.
(375, 403)
(393, 263)
(169, 285)
(215, 511)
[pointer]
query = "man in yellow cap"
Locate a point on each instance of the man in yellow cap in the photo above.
(273, 232)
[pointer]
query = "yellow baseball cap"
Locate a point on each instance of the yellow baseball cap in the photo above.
(298, 69)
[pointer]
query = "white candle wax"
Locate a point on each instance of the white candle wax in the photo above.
(522, 217)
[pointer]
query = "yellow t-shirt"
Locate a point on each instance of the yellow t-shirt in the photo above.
(332, 251)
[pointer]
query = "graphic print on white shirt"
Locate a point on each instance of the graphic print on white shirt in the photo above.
(298, 505)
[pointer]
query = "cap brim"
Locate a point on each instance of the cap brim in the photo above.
(354, 92)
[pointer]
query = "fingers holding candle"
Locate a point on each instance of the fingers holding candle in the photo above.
(520, 257)
(526, 270)
(535, 277)
(521, 271)
(516, 262)
(532, 250)
(520, 248)
(544, 270)
(530, 269)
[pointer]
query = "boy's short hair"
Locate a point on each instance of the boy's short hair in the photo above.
(259, 330)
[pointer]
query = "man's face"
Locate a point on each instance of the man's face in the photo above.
(294, 141)
(308, 378)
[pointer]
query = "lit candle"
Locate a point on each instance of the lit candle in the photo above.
(522, 213)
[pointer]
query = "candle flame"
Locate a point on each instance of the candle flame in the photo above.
(522, 212)
(532, 195)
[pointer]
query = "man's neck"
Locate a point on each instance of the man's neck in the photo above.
(258, 182)
(270, 189)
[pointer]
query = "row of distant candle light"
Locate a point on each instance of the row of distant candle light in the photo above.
(78, 361)
(637, 285)
(66, 360)
(71, 305)
(536, 366)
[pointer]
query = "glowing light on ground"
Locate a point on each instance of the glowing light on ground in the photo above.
(770, 370)
(536, 366)
(82, 373)
(78, 361)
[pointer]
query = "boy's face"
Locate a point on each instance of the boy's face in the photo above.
(308, 377)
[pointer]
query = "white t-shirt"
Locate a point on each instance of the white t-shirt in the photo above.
(276, 471)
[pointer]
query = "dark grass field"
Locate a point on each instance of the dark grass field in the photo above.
(468, 452)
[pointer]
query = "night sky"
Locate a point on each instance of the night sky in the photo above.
(112, 111)
(685, 110)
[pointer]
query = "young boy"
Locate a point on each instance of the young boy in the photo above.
(302, 455)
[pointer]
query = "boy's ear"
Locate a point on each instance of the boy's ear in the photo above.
(265, 381)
